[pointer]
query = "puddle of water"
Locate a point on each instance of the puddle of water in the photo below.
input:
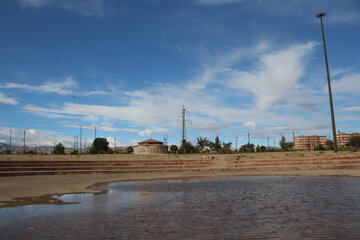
(257, 208)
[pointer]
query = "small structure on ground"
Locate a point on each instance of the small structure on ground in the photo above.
(151, 146)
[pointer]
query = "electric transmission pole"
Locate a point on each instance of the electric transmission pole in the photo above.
(10, 141)
(236, 138)
(95, 133)
(321, 15)
(183, 123)
(80, 138)
(24, 142)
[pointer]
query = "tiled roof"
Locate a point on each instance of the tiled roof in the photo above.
(151, 141)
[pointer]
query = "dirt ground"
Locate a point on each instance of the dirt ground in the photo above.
(23, 190)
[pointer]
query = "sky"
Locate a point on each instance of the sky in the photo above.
(128, 67)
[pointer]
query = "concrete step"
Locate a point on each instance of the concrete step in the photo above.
(99, 163)
(177, 170)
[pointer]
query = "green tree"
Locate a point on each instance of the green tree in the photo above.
(187, 147)
(225, 148)
(263, 149)
(217, 144)
(100, 145)
(59, 149)
(129, 149)
(320, 148)
(247, 148)
(285, 146)
(330, 144)
(173, 148)
(202, 143)
(354, 142)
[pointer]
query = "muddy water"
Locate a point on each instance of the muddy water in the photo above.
(236, 208)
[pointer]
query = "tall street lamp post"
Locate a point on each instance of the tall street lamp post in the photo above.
(321, 15)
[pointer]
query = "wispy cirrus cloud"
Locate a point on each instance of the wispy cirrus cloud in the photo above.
(348, 83)
(35, 136)
(149, 131)
(217, 2)
(98, 127)
(352, 109)
(347, 12)
(267, 85)
(7, 100)
(93, 8)
(64, 87)
(269, 81)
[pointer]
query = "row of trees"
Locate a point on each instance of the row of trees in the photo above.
(204, 145)
(99, 146)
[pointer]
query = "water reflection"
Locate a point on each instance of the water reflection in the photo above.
(237, 208)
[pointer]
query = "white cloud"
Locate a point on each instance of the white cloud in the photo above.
(84, 7)
(269, 85)
(107, 124)
(217, 2)
(346, 12)
(349, 83)
(63, 87)
(7, 100)
(352, 109)
(250, 124)
(150, 131)
(98, 127)
(276, 75)
(34, 137)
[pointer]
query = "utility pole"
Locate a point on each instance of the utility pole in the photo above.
(268, 143)
(115, 147)
(236, 138)
(321, 15)
(74, 143)
(183, 123)
(10, 141)
(77, 143)
(248, 138)
(95, 133)
(24, 142)
(80, 138)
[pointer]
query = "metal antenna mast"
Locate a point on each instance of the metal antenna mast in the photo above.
(183, 123)
(165, 139)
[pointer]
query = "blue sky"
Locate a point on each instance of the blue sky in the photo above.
(128, 66)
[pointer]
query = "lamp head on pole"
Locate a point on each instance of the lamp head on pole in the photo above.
(321, 15)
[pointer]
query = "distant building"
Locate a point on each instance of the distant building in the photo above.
(150, 146)
(344, 138)
(308, 142)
